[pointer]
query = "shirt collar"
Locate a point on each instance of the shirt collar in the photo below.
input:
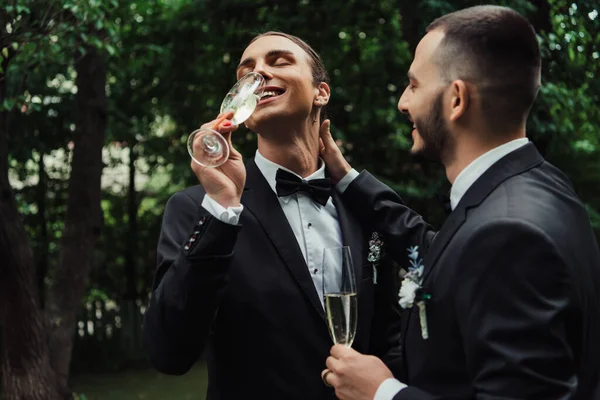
(477, 167)
(269, 170)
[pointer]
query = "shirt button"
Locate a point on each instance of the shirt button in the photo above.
(315, 271)
(309, 224)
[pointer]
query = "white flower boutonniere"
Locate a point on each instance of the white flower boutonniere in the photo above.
(375, 253)
(412, 291)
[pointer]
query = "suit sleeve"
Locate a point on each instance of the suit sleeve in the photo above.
(379, 208)
(513, 296)
(194, 255)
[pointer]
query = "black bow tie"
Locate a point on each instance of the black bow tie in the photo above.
(288, 183)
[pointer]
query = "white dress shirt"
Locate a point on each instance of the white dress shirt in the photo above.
(315, 226)
(477, 167)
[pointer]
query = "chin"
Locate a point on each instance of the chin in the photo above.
(275, 119)
(264, 123)
(417, 146)
(416, 151)
(258, 119)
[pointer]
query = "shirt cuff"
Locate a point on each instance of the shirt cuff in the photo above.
(229, 215)
(343, 184)
(388, 389)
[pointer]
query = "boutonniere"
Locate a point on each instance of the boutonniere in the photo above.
(412, 291)
(375, 253)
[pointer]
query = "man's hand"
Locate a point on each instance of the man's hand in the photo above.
(337, 166)
(353, 375)
(225, 183)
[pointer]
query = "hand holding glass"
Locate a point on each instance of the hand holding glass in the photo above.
(209, 148)
(339, 294)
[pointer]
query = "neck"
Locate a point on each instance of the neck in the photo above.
(296, 148)
(467, 151)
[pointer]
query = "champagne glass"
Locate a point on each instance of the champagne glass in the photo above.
(339, 294)
(208, 147)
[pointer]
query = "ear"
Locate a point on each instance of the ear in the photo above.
(322, 93)
(460, 99)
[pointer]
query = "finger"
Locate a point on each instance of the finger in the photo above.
(333, 379)
(321, 145)
(227, 135)
(215, 123)
(324, 375)
(338, 351)
(333, 364)
(197, 169)
(226, 127)
(325, 133)
(233, 153)
(221, 118)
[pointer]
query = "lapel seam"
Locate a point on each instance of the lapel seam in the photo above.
(284, 259)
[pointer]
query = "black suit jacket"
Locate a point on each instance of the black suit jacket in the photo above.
(248, 290)
(514, 275)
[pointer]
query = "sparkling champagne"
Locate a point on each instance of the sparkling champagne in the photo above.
(341, 309)
(212, 150)
(241, 107)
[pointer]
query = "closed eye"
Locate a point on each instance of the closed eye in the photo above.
(281, 62)
(242, 72)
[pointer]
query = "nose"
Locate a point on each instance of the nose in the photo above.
(262, 68)
(403, 102)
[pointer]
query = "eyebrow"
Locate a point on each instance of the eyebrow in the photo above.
(412, 76)
(270, 54)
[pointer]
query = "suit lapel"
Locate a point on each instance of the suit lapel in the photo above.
(260, 200)
(512, 164)
(351, 235)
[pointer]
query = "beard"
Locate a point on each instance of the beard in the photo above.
(435, 134)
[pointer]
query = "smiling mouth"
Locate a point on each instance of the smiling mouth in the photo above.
(270, 94)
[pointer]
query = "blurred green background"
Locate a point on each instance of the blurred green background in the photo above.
(97, 98)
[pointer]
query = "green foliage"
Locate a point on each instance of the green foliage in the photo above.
(171, 61)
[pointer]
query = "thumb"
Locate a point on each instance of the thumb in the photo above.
(337, 166)
(325, 134)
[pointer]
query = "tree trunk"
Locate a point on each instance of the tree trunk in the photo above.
(83, 218)
(132, 209)
(132, 318)
(25, 357)
(42, 264)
